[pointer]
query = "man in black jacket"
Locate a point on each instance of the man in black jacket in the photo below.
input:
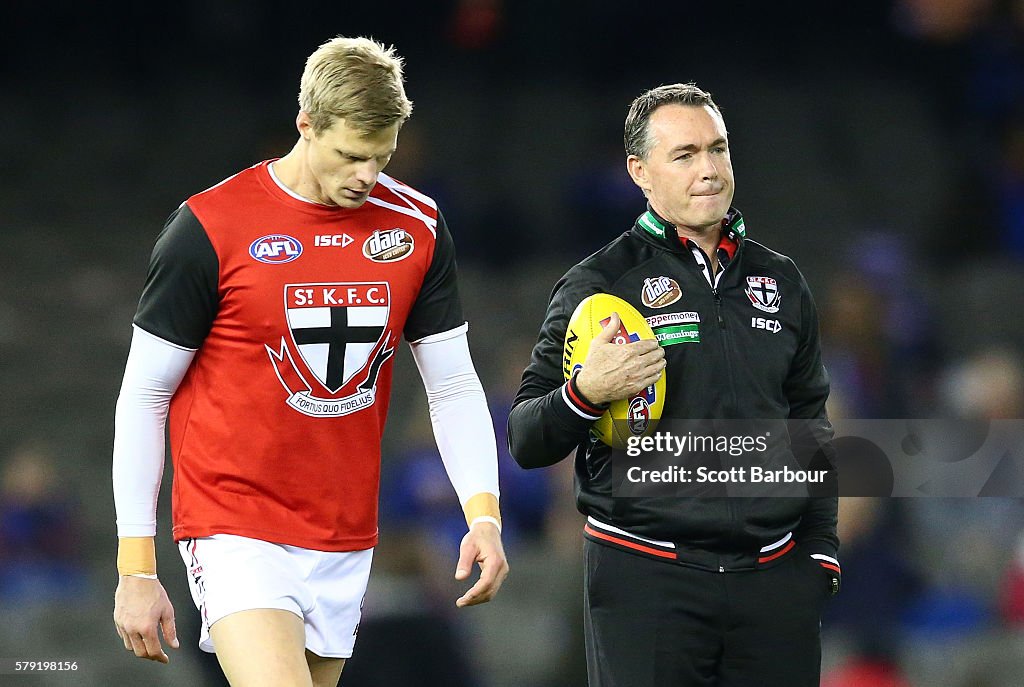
(683, 590)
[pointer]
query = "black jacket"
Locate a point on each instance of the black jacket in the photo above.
(735, 367)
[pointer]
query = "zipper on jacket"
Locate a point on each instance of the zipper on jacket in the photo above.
(718, 307)
(713, 282)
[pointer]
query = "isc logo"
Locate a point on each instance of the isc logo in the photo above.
(340, 240)
(275, 248)
(774, 326)
(388, 245)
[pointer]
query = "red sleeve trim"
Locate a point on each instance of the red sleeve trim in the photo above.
(580, 400)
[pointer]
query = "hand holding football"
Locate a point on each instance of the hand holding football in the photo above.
(615, 369)
(619, 361)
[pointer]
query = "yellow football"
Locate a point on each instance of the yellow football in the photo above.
(634, 416)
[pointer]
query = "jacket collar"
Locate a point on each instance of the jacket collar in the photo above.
(664, 232)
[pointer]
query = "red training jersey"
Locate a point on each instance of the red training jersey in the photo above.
(296, 310)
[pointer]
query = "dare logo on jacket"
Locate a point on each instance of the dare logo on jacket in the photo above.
(658, 292)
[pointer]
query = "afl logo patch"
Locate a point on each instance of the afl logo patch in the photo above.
(639, 415)
(388, 245)
(658, 292)
(275, 248)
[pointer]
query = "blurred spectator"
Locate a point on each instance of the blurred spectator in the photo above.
(415, 491)
(876, 338)
(996, 97)
(996, 88)
(40, 558)
(962, 543)
(989, 385)
(879, 583)
(865, 672)
(601, 197)
(937, 55)
(409, 633)
(959, 545)
(1010, 183)
(1011, 598)
(476, 24)
(941, 21)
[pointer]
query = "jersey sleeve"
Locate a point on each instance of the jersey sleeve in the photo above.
(438, 307)
(152, 374)
(549, 416)
(807, 388)
(459, 415)
(179, 301)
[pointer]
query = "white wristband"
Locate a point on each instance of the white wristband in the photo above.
(486, 518)
(142, 575)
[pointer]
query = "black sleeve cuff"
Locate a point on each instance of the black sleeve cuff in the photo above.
(580, 403)
(830, 565)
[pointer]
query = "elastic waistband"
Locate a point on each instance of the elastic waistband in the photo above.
(720, 561)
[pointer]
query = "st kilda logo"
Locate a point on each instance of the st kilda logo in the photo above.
(388, 245)
(763, 293)
(658, 292)
(340, 339)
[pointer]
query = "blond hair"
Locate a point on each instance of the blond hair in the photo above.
(355, 79)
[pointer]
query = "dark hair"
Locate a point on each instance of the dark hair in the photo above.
(637, 136)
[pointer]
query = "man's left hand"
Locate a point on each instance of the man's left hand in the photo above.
(482, 544)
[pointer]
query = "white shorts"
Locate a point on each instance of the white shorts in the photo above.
(228, 573)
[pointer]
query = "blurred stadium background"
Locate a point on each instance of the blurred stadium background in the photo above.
(880, 143)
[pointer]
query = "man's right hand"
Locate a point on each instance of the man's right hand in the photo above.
(140, 606)
(614, 372)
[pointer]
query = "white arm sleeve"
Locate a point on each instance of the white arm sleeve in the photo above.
(152, 374)
(458, 412)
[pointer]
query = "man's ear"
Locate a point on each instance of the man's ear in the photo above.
(638, 172)
(304, 124)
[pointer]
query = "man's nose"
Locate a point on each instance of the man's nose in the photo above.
(367, 171)
(709, 170)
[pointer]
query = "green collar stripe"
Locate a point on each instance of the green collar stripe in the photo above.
(650, 223)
